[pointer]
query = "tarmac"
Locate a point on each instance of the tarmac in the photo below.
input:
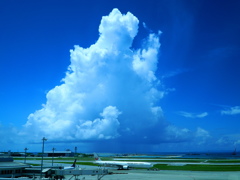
(144, 174)
(166, 175)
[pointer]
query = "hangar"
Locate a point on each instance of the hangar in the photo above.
(59, 153)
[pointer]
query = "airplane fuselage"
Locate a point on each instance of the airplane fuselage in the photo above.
(124, 164)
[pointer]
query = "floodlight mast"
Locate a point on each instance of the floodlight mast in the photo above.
(53, 154)
(43, 139)
(25, 149)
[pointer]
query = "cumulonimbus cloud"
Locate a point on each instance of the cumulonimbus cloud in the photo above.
(108, 87)
(110, 91)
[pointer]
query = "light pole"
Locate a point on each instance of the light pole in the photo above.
(43, 139)
(53, 155)
(75, 153)
(25, 149)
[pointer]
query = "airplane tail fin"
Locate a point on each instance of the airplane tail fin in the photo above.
(96, 157)
(74, 163)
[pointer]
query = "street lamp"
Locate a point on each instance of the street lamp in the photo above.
(43, 139)
(53, 155)
(25, 149)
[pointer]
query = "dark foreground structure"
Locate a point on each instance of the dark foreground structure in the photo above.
(11, 170)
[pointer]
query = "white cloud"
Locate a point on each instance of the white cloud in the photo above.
(145, 60)
(108, 79)
(192, 115)
(174, 73)
(117, 31)
(201, 136)
(202, 133)
(237, 142)
(105, 128)
(174, 133)
(228, 142)
(232, 111)
(110, 94)
(224, 141)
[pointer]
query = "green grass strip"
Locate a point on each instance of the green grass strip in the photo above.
(195, 167)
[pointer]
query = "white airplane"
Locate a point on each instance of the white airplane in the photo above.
(121, 164)
(72, 166)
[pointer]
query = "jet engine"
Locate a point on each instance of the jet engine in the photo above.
(125, 167)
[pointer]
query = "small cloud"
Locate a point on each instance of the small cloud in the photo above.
(237, 142)
(175, 73)
(232, 111)
(202, 136)
(146, 27)
(229, 140)
(225, 140)
(176, 134)
(202, 133)
(192, 115)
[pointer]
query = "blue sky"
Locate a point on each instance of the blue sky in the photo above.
(123, 76)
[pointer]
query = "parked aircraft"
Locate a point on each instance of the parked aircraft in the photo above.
(121, 164)
(72, 166)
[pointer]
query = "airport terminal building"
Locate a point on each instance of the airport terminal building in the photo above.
(9, 168)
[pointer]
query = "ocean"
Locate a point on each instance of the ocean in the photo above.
(186, 155)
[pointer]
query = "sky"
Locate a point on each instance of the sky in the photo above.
(120, 76)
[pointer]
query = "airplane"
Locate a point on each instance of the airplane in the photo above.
(72, 166)
(121, 164)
